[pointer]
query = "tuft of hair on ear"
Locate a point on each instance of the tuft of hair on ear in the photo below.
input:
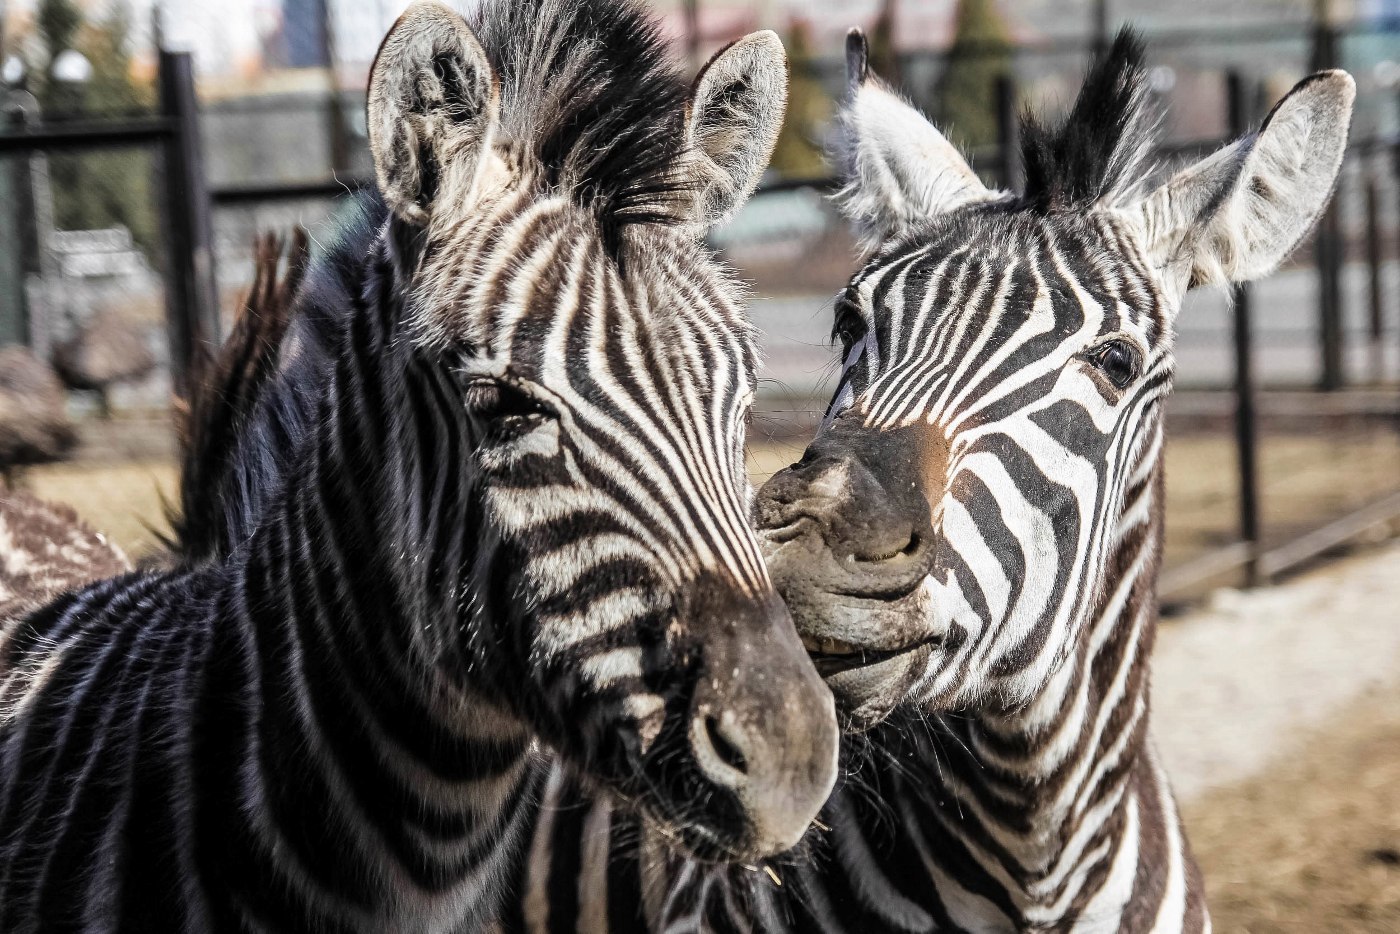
(590, 94)
(1097, 155)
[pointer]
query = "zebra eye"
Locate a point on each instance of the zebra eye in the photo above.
(1118, 360)
(850, 326)
(505, 407)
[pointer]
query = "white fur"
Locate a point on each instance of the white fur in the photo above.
(408, 109)
(900, 169)
(1237, 214)
(732, 135)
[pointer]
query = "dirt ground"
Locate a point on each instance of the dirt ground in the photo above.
(1313, 845)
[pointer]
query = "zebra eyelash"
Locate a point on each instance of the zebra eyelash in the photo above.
(509, 409)
(849, 326)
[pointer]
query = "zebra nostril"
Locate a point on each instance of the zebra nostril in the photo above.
(725, 750)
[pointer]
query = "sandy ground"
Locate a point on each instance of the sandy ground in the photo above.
(1237, 681)
(1277, 712)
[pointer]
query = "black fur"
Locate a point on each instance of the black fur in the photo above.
(1093, 154)
(588, 88)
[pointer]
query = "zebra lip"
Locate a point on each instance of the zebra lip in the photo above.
(832, 656)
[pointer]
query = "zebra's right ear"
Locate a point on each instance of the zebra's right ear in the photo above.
(733, 118)
(434, 104)
(898, 169)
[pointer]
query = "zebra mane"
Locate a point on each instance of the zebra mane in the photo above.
(1098, 155)
(298, 356)
(589, 91)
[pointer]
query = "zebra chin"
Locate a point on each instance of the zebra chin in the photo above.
(851, 551)
(872, 652)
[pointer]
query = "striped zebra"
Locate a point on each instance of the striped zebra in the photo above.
(502, 508)
(970, 546)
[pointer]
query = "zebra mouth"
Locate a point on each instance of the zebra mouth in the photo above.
(833, 656)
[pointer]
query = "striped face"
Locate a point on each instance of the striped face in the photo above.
(1002, 380)
(622, 605)
(998, 416)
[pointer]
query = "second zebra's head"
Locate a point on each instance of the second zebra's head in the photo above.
(551, 181)
(997, 425)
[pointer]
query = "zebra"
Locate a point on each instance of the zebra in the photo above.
(46, 549)
(505, 512)
(970, 546)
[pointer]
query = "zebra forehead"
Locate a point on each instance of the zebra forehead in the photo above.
(1088, 257)
(533, 276)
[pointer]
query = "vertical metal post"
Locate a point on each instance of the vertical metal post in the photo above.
(1100, 27)
(1008, 134)
(1328, 246)
(1373, 264)
(192, 306)
(17, 236)
(1246, 414)
(1327, 241)
(1395, 168)
(337, 132)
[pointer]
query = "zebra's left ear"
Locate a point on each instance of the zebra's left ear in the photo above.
(433, 108)
(898, 169)
(735, 112)
(1236, 215)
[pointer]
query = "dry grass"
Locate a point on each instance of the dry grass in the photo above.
(1314, 844)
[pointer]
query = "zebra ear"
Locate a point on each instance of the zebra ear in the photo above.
(897, 168)
(1236, 215)
(434, 103)
(733, 118)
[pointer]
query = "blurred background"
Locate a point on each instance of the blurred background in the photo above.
(144, 144)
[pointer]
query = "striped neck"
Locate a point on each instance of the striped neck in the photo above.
(1045, 800)
(355, 583)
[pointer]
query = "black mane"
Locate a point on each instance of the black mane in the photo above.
(590, 91)
(1097, 153)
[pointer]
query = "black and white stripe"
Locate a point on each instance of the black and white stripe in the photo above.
(970, 546)
(492, 503)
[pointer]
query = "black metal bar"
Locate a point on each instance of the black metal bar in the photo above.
(1246, 424)
(1327, 246)
(192, 306)
(692, 33)
(1246, 414)
(1100, 27)
(1328, 237)
(230, 195)
(1373, 264)
(1324, 50)
(1008, 134)
(142, 131)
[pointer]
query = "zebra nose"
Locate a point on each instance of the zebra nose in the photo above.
(763, 724)
(863, 518)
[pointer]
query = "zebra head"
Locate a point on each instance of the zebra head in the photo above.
(550, 182)
(997, 423)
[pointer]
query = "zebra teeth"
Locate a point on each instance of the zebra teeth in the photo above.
(820, 645)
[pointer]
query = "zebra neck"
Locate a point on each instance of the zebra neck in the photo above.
(360, 576)
(1050, 784)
